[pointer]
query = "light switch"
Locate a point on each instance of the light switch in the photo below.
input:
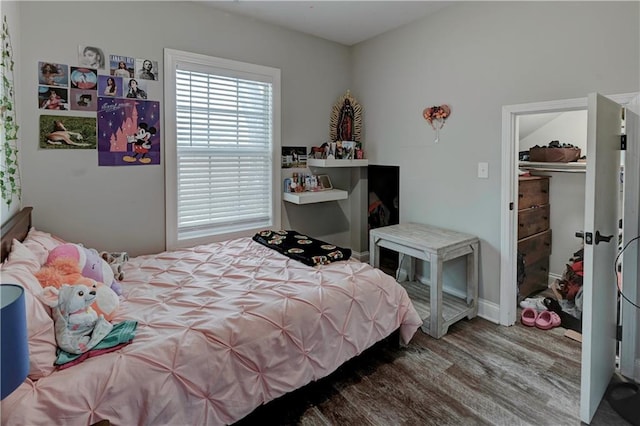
(483, 170)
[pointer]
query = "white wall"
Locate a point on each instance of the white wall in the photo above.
(478, 57)
(569, 127)
(475, 56)
(122, 208)
(10, 10)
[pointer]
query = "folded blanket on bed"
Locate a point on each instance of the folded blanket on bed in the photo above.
(121, 334)
(301, 247)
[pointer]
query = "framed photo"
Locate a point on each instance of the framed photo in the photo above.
(324, 182)
(294, 157)
(348, 150)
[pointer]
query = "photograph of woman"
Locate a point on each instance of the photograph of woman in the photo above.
(111, 88)
(146, 69)
(53, 74)
(89, 56)
(83, 78)
(50, 98)
(135, 91)
(122, 70)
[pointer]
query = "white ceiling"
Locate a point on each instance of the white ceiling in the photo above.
(344, 22)
(527, 124)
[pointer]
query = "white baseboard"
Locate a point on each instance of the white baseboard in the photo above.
(489, 311)
(486, 309)
(361, 256)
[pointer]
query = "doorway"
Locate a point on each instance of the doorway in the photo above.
(605, 116)
(510, 148)
(549, 217)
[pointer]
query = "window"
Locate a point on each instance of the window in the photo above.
(222, 146)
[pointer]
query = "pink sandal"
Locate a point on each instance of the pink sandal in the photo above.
(529, 317)
(547, 320)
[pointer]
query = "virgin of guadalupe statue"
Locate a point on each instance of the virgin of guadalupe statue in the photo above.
(346, 119)
(345, 122)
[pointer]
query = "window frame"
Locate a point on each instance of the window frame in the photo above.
(172, 58)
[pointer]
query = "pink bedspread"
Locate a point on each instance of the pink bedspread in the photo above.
(223, 328)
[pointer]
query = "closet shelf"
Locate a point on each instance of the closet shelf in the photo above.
(575, 167)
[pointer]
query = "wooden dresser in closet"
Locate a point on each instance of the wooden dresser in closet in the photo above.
(534, 234)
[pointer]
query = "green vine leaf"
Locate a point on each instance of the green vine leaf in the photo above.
(10, 185)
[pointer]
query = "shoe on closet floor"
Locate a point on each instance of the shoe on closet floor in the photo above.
(547, 320)
(535, 303)
(529, 317)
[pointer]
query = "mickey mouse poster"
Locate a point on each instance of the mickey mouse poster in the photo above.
(128, 132)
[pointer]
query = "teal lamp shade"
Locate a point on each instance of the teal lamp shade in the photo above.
(14, 347)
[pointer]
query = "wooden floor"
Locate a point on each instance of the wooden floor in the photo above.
(478, 374)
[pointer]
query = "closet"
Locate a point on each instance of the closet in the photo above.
(557, 190)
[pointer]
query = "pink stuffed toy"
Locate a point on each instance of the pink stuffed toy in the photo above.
(91, 264)
(64, 270)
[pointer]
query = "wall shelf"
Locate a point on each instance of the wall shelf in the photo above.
(315, 196)
(579, 167)
(314, 162)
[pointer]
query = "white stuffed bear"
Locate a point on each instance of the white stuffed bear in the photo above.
(78, 327)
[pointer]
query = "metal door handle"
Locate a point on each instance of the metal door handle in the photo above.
(605, 238)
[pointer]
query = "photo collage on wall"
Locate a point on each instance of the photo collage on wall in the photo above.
(115, 95)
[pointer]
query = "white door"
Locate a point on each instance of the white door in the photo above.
(599, 281)
(631, 255)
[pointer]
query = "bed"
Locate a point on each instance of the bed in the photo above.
(222, 329)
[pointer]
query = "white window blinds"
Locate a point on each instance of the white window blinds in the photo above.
(224, 148)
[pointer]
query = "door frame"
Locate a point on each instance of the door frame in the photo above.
(508, 218)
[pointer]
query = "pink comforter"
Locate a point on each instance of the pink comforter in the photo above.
(223, 328)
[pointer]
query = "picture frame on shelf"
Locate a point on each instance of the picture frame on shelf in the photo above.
(348, 150)
(324, 182)
(294, 157)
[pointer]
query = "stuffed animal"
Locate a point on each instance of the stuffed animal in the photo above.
(91, 264)
(65, 270)
(78, 327)
(116, 260)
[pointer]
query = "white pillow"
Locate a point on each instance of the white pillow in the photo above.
(41, 243)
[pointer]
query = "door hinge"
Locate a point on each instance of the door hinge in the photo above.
(623, 142)
(511, 206)
(619, 333)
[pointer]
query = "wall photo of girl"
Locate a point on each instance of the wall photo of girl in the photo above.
(84, 78)
(122, 66)
(53, 98)
(91, 57)
(136, 89)
(146, 69)
(110, 86)
(52, 74)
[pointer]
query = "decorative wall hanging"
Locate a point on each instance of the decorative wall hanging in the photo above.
(129, 132)
(346, 119)
(67, 132)
(436, 116)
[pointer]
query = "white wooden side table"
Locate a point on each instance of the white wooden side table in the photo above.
(436, 246)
